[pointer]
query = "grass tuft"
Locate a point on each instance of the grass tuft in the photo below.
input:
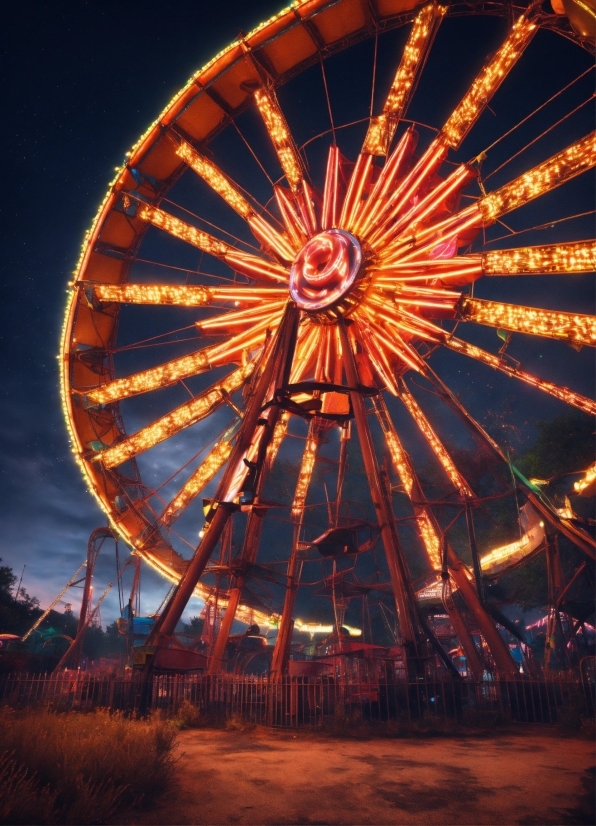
(237, 723)
(188, 716)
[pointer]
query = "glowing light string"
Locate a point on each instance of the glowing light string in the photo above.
(212, 175)
(232, 350)
(242, 262)
(588, 479)
(488, 81)
(279, 132)
(179, 419)
(382, 128)
(212, 463)
(220, 183)
(549, 258)
(182, 295)
(242, 318)
(549, 323)
(383, 189)
(401, 463)
(562, 167)
(292, 218)
(304, 475)
(279, 434)
(437, 446)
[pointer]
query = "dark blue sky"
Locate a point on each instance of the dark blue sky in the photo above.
(82, 82)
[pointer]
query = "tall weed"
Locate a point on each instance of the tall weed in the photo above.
(79, 768)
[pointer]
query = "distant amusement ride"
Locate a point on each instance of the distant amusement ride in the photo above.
(308, 468)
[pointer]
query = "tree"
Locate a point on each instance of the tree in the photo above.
(565, 444)
(194, 628)
(7, 579)
(114, 641)
(16, 614)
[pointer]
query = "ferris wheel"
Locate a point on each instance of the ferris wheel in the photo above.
(334, 272)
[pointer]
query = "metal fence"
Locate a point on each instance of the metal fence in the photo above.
(313, 701)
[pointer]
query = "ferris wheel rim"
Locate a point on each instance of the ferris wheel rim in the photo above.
(148, 141)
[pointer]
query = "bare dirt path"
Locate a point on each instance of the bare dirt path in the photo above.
(264, 777)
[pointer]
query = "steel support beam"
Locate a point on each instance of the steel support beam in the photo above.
(402, 589)
(474, 552)
(254, 528)
(498, 648)
(474, 664)
(281, 652)
(275, 369)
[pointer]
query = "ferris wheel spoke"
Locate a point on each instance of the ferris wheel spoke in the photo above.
(185, 232)
(215, 178)
(359, 181)
(271, 239)
(392, 341)
(206, 471)
(255, 267)
(454, 271)
(330, 212)
(306, 204)
(309, 340)
(432, 241)
(427, 430)
(498, 363)
(401, 195)
(181, 295)
(409, 331)
(432, 301)
(376, 350)
(281, 138)
(572, 327)
(273, 311)
(416, 295)
(242, 262)
(292, 217)
(560, 168)
(383, 189)
(401, 318)
(220, 183)
(382, 128)
(424, 210)
(401, 463)
(172, 423)
(155, 378)
(550, 258)
(488, 81)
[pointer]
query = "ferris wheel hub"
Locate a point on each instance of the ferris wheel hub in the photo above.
(325, 269)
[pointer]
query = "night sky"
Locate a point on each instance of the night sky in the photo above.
(82, 82)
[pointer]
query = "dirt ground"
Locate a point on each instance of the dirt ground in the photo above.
(263, 777)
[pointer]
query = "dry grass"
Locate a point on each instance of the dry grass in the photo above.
(188, 716)
(79, 768)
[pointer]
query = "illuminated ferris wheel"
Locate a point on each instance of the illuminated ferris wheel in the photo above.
(331, 288)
